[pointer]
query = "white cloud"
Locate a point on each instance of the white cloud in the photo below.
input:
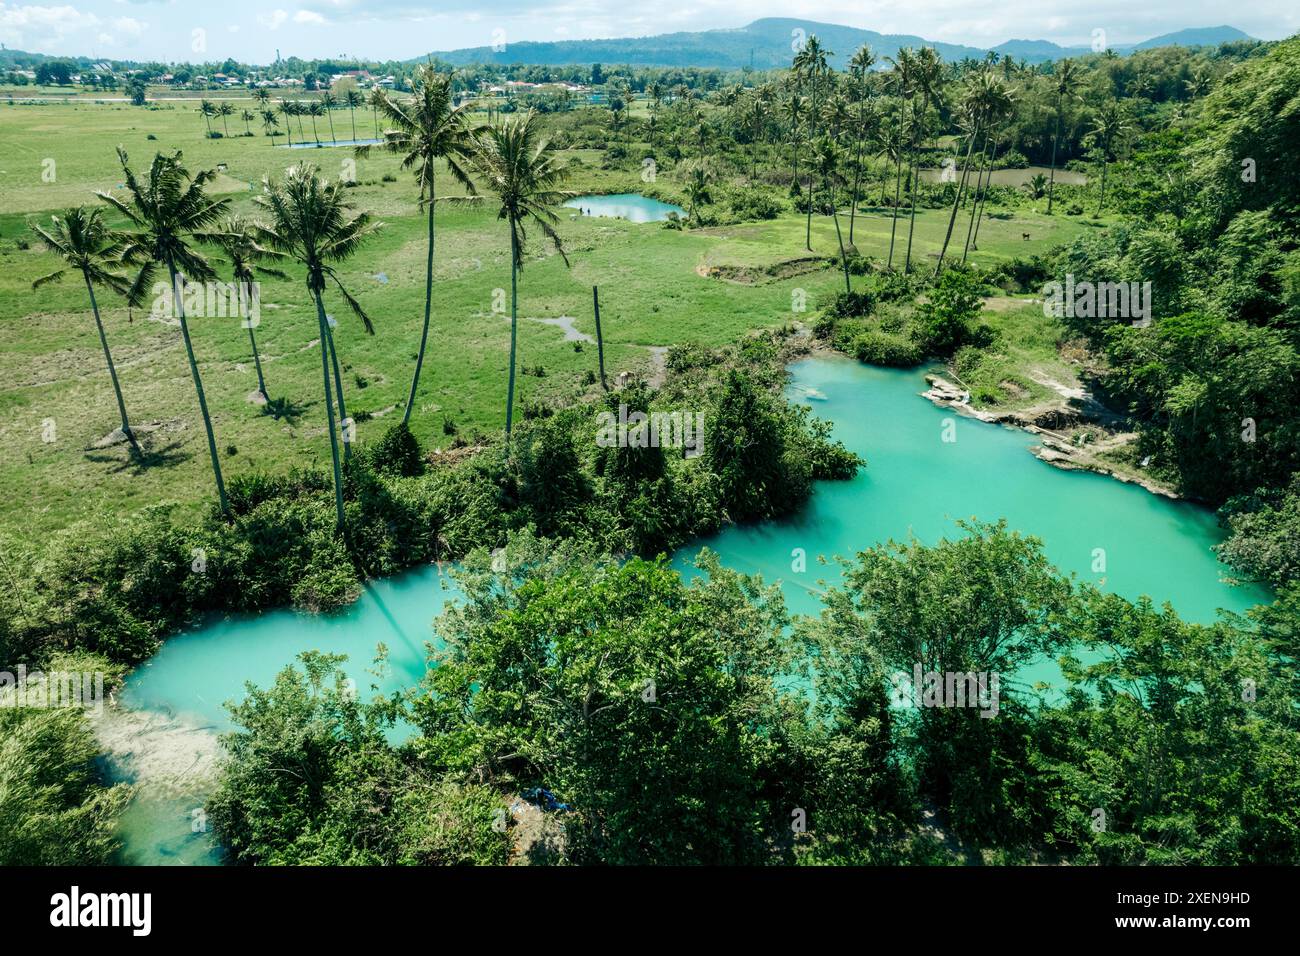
(273, 19)
(309, 17)
(36, 26)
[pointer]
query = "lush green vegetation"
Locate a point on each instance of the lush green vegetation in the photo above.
(675, 719)
(664, 714)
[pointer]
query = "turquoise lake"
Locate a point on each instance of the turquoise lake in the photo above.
(915, 483)
(630, 206)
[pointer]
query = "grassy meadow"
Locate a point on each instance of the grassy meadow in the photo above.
(659, 287)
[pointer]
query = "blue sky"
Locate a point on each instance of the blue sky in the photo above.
(252, 31)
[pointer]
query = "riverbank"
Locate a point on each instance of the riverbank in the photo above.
(1076, 431)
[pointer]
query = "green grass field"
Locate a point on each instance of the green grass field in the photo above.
(659, 287)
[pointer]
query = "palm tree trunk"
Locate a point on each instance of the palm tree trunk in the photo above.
(857, 182)
(112, 371)
(338, 389)
(514, 326)
(600, 339)
(1051, 180)
(314, 135)
(916, 187)
(329, 115)
(179, 300)
(329, 409)
(981, 197)
(812, 135)
(1101, 200)
(844, 260)
(428, 305)
(956, 201)
(353, 111)
(252, 339)
(898, 189)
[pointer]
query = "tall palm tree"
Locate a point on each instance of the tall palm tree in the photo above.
(521, 167)
(327, 103)
(697, 187)
(864, 117)
(972, 116)
(238, 241)
(207, 111)
(903, 80)
(169, 208)
(226, 110)
(270, 124)
(314, 108)
(795, 108)
(286, 109)
(1108, 125)
(377, 93)
(1001, 103)
(87, 245)
(826, 154)
(352, 99)
(810, 63)
(929, 82)
(309, 222)
(262, 97)
(655, 90)
(428, 128)
(1066, 77)
(248, 117)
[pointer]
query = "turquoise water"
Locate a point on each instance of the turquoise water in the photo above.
(631, 206)
(326, 144)
(915, 483)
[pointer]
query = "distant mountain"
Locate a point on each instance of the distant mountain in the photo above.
(768, 44)
(1196, 36)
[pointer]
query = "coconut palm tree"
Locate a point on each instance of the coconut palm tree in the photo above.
(929, 83)
(169, 208)
(310, 222)
(1066, 77)
(697, 187)
(826, 154)
(262, 97)
(225, 111)
(377, 93)
(810, 63)
(972, 116)
(655, 90)
(1001, 103)
(238, 241)
(521, 167)
(1108, 125)
(903, 80)
(87, 245)
(428, 128)
(327, 103)
(313, 109)
(270, 124)
(248, 117)
(864, 119)
(795, 108)
(207, 111)
(352, 99)
(286, 109)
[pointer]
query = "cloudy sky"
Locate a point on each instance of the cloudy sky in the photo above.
(252, 30)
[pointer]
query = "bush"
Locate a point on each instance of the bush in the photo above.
(398, 453)
(882, 348)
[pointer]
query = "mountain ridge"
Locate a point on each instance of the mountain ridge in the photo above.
(767, 43)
